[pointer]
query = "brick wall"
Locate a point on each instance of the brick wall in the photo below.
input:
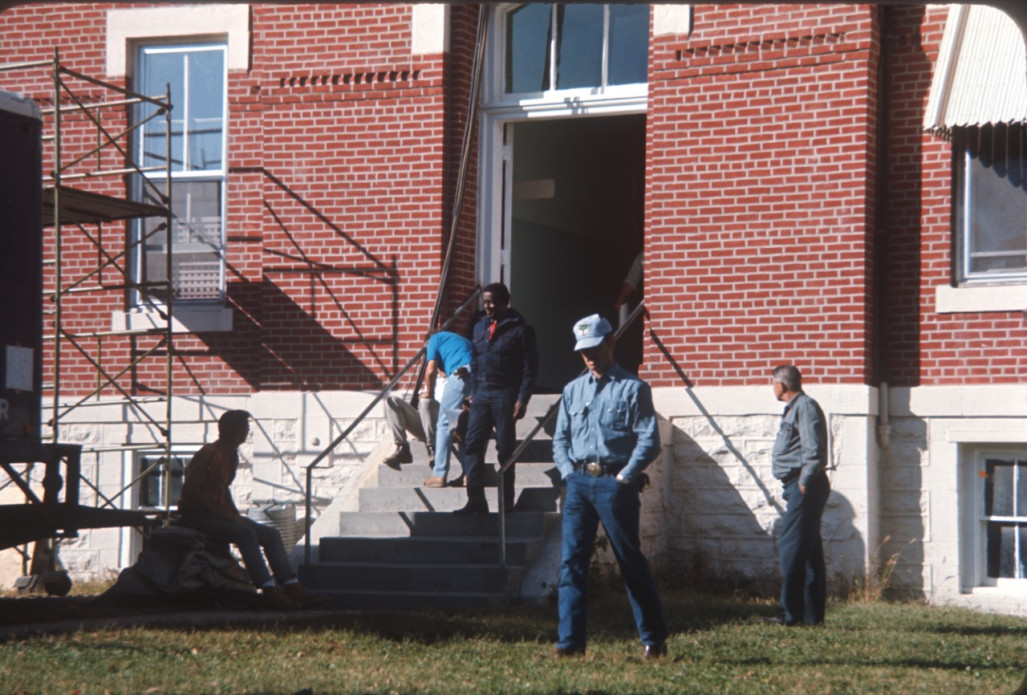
(758, 195)
(761, 155)
(338, 147)
(926, 347)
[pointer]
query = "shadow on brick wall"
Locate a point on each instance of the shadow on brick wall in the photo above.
(728, 509)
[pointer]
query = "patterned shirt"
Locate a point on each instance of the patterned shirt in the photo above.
(610, 419)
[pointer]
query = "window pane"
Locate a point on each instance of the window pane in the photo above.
(1022, 574)
(998, 488)
(1002, 550)
(197, 242)
(151, 486)
(1021, 489)
(997, 203)
(528, 31)
(629, 44)
(579, 58)
(157, 72)
(206, 104)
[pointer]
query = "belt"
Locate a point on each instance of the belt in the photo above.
(462, 371)
(600, 468)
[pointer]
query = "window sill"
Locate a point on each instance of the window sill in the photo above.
(983, 298)
(187, 319)
(997, 598)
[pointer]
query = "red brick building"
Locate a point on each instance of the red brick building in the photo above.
(792, 174)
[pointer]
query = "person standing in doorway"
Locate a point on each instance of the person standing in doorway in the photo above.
(799, 461)
(605, 437)
(503, 371)
(631, 284)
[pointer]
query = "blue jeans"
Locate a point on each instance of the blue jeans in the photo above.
(453, 394)
(804, 575)
(490, 408)
(249, 537)
(591, 500)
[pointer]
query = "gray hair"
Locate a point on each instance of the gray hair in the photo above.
(789, 377)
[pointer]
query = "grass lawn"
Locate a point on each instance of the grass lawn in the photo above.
(718, 645)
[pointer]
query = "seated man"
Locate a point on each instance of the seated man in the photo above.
(206, 505)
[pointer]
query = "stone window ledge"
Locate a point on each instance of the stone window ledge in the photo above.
(187, 319)
(983, 298)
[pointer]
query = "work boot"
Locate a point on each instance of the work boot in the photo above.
(299, 593)
(435, 481)
(272, 598)
(400, 455)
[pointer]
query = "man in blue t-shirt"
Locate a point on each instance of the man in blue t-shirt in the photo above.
(433, 422)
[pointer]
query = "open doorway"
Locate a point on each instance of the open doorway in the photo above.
(575, 217)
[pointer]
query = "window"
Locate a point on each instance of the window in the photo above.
(160, 476)
(560, 47)
(1005, 516)
(991, 200)
(196, 74)
(995, 552)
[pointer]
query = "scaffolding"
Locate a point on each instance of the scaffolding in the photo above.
(96, 182)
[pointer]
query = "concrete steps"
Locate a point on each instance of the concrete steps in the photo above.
(404, 548)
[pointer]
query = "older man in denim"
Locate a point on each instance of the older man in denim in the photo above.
(799, 461)
(605, 437)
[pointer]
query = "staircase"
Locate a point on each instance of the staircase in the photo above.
(404, 548)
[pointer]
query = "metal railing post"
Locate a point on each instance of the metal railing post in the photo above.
(307, 522)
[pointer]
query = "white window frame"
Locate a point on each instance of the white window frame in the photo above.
(570, 101)
(219, 175)
(964, 224)
(127, 28)
(498, 109)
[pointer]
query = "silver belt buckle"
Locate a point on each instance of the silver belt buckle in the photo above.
(594, 468)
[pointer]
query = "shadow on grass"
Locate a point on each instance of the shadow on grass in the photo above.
(610, 619)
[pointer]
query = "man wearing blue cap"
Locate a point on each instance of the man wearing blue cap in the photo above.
(605, 437)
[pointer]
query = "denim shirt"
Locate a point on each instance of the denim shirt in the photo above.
(610, 419)
(801, 445)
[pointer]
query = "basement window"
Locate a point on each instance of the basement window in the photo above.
(160, 480)
(999, 518)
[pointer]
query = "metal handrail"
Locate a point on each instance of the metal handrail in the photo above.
(638, 310)
(307, 521)
(461, 181)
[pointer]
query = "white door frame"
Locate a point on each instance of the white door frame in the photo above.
(495, 153)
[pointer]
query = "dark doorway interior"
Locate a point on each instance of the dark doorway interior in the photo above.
(577, 218)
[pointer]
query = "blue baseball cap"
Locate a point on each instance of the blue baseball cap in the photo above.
(590, 331)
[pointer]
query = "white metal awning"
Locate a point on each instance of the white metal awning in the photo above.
(980, 76)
